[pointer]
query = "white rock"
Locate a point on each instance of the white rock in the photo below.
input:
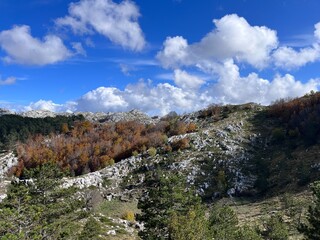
(112, 232)
(7, 161)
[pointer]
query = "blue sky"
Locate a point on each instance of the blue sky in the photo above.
(156, 56)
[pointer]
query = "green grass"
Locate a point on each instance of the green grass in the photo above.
(117, 208)
(292, 206)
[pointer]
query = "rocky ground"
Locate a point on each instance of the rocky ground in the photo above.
(216, 161)
(224, 146)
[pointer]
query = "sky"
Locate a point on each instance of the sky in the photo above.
(156, 56)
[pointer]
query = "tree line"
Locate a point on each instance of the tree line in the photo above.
(15, 128)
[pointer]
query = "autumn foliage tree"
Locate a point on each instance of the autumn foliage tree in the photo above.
(300, 117)
(88, 146)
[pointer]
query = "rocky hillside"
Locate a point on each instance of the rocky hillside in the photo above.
(220, 158)
(235, 153)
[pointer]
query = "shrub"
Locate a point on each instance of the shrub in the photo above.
(276, 229)
(190, 225)
(191, 127)
(181, 144)
(129, 216)
(135, 153)
(177, 128)
(278, 134)
(152, 151)
(167, 148)
(248, 233)
(91, 230)
(106, 160)
(223, 222)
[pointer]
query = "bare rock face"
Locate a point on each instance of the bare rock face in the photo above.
(92, 117)
(3, 189)
(111, 176)
(7, 161)
(42, 114)
(133, 115)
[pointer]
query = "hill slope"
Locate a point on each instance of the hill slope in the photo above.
(254, 158)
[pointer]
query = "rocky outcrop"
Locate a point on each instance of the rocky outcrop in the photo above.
(133, 115)
(217, 146)
(7, 161)
(41, 114)
(108, 178)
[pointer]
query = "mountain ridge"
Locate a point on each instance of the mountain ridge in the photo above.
(132, 115)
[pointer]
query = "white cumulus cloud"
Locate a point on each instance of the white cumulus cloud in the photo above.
(116, 21)
(175, 53)
(49, 105)
(159, 99)
(289, 58)
(102, 99)
(233, 88)
(22, 48)
(44, 105)
(233, 38)
(233, 42)
(317, 31)
(187, 81)
(162, 98)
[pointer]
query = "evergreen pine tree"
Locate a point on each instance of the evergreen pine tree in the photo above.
(39, 208)
(165, 204)
(311, 230)
(276, 228)
(223, 223)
